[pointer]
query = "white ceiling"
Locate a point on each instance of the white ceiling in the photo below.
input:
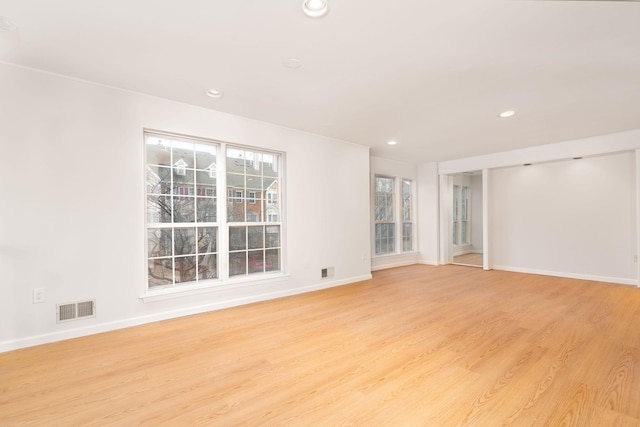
(431, 74)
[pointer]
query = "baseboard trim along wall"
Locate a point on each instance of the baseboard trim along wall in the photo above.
(166, 315)
(617, 280)
(392, 261)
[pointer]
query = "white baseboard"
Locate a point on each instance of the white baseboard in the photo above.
(429, 262)
(391, 265)
(171, 314)
(393, 261)
(618, 280)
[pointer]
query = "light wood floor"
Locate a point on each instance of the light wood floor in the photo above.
(418, 345)
(468, 259)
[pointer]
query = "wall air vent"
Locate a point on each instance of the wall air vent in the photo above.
(75, 310)
(326, 272)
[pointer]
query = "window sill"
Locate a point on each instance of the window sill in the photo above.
(211, 286)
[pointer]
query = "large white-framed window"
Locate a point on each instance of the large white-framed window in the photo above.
(194, 236)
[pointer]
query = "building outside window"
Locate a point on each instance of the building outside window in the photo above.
(184, 228)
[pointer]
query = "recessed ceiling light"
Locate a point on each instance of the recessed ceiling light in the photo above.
(315, 8)
(213, 93)
(7, 24)
(292, 63)
(507, 113)
(392, 142)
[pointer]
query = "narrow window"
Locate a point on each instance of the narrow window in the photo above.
(385, 225)
(407, 216)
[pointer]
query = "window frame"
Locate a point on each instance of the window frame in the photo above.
(400, 209)
(222, 224)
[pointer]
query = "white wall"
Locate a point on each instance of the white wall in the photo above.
(72, 218)
(398, 170)
(573, 218)
(428, 208)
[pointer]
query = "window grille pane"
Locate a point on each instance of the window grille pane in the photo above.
(456, 201)
(206, 157)
(236, 210)
(182, 153)
(256, 262)
(237, 238)
(206, 208)
(160, 272)
(207, 267)
(205, 182)
(160, 242)
(254, 211)
(158, 151)
(184, 209)
(237, 263)
(185, 269)
(272, 260)
(158, 180)
(385, 238)
(407, 237)
(270, 164)
(235, 160)
(159, 209)
(184, 241)
(455, 233)
(183, 185)
(207, 240)
(272, 236)
(256, 237)
(464, 235)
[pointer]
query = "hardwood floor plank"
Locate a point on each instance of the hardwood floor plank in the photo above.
(416, 345)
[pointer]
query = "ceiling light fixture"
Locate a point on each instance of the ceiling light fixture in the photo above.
(392, 142)
(292, 63)
(213, 93)
(7, 24)
(315, 8)
(507, 113)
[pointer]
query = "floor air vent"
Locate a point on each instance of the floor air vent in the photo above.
(75, 310)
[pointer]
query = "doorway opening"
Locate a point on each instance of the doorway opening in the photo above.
(463, 233)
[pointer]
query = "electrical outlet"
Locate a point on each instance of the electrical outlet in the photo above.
(38, 295)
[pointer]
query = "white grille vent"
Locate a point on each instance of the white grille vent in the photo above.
(75, 310)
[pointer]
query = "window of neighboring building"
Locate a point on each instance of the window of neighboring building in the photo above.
(385, 225)
(183, 225)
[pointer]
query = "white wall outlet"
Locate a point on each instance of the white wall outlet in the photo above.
(38, 295)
